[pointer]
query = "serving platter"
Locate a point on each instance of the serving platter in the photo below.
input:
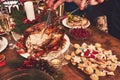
(75, 70)
(62, 51)
(77, 74)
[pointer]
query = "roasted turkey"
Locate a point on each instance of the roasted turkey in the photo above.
(52, 39)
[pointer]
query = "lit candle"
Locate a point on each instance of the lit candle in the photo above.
(29, 10)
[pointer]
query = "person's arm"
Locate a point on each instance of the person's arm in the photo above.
(81, 3)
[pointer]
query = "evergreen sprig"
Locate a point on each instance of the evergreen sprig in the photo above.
(18, 17)
(57, 74)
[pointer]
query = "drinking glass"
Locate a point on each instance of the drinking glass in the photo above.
(6, 26)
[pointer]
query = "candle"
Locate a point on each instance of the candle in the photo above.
(29, 9)
(61, 10)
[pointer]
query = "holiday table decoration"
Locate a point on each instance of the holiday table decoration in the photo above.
(12, 3)
(32, 63)
(29, 9)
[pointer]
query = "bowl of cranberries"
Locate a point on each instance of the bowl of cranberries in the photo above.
(80, 33)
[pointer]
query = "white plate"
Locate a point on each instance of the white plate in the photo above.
(3, 44)
(66, 46)
(64, 22)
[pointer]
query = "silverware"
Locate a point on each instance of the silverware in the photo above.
(49, 20)
(74, 10)
(86, 4)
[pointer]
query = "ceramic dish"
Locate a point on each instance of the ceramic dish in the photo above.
(80, 33)
(66, 46)
(64, 22)
(3, 43)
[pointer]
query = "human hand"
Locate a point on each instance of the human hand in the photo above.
(55, 3)
(84, 3)
(81, 3)
(95, 2)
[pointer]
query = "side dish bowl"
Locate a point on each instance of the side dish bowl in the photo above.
(80, 33)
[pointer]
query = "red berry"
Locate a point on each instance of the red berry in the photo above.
(92, 56)
(21, 51)
(38, 54)
(20, 45)
(80, 32)
(86, 53)
(94, 52)
(12, 25)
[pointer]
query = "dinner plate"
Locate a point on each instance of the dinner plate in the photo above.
(3, 43)
(66, 46)
(64, 22)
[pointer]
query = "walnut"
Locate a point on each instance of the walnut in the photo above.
(76, 59)
(83, 59)
(108, 52)
(84, 45)
(87, 63)
(102, 66)
(72, 53)
(101, 57)
(81, 65)
(98, 45)
(76, 46)
(100, 73)
(94, 66)
(100, 49)
(94, 77)
(73, 63)
(78, 51)
(67, 57)
(112, 67)
(89, 70)
(110, 73)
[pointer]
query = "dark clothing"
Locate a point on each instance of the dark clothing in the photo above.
(113, 17)
(72, 6)
(110, 8)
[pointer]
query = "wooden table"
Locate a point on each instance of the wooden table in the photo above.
(107, 41)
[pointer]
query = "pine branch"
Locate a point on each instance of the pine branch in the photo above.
(18, 16)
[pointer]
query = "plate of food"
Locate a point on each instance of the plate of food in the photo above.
(3, 43)
(74, 21)
(31, 43)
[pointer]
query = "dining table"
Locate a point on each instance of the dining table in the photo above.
(70, 72)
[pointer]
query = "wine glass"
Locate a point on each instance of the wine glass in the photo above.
(55, 59)
(6, 26)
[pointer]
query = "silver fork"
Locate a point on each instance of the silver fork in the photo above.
(74, 10)
(49, 20)
(86, 4)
